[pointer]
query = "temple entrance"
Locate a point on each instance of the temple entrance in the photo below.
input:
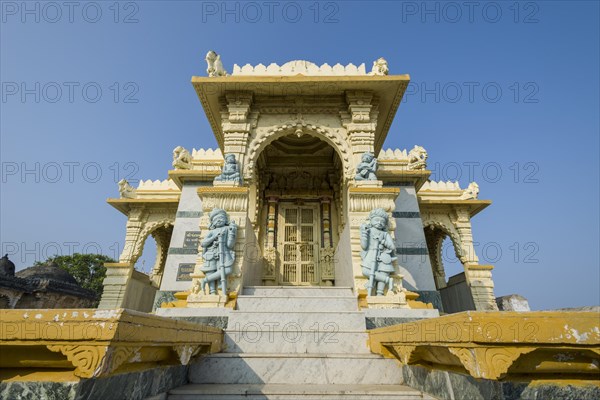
(299, 181)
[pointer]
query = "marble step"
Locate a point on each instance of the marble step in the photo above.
(292, 341)
(296, 303)
(310, 321)
(292, 392)
(300, 369)
(298, 291)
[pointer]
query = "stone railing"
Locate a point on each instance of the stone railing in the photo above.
(544, 345)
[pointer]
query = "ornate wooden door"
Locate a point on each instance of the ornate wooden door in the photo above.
(298, 244)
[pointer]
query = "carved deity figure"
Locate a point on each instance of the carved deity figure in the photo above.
(215, 66)
(417, 158)
(230, 170)
(126, 190)
(471, 192)
(218, 251)
(380, 67)
(181, 158)
(378, 252)
(365, 171)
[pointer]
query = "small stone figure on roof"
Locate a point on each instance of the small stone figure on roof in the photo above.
(126, 190)
(181, 158)
(365, 171)
(471, 192)
(215, 66)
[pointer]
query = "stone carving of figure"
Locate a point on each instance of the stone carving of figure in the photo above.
(417, 158)
(471, 192)
(215, 66)
(181, 158)
(217, 251)
(378, 252)
(380, 67)
(365, 171)
(230, 170)
(126, 190)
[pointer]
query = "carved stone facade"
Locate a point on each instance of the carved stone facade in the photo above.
(299, 178)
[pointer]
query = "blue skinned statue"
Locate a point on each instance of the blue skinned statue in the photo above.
(218, 251)
(378, 252)
(230, 171)
(365, 171)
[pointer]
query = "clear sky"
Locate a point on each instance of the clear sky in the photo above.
(502, 93)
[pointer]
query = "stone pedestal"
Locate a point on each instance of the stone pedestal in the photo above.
(395, 300)
(206, 300)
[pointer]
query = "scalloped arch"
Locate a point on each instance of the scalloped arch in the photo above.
(262, 140)
(451, 232)
(146, 231)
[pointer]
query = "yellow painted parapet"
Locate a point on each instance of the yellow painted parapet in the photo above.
(555, 345)
(93, 342)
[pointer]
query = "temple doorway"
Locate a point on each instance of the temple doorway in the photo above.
(299, 184)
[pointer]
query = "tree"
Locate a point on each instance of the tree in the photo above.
(87, 269)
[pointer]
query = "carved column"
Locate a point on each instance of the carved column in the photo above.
(360, 122)
(162, 237)
(479, 277)
(236, 124)
(133, 235)
(270, 263)
(462, 223)
(327, 254)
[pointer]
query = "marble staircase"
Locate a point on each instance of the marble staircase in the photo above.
(295, 343)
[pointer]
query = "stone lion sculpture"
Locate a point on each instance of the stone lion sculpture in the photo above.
(380, 67)
(126, 190)
(417, 158)
(471, 192)
(181, 158)
(215, 66)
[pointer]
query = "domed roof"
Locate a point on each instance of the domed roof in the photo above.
(7, 267)
(47, 271)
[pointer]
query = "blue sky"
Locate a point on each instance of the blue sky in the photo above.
(503, 93)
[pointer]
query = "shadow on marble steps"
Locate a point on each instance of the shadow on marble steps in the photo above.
(296, 303)
(298, 291)
(292, 392)
(301, 369)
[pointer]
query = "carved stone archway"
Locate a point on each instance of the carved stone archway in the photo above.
(266, 136)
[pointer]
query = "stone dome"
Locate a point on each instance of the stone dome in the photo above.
(50, 271)
(7, 267)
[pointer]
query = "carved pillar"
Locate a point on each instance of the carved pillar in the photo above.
(360, 121)
(162, 237)
(479, 277)
(462, 223)
(236, 124)
(435, 239)
(133, 236)
(270, 263)
(327, 254)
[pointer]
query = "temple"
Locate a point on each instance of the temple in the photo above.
(301, 259)
(290, 172)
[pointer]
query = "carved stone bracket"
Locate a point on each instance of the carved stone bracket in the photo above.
(186, 352)
(92, 361)
(488, 362)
